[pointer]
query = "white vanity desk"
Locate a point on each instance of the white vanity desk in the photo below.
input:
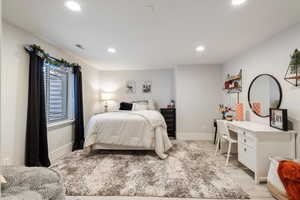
(256, 142)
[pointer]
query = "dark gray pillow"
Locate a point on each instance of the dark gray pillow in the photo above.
(125, 106)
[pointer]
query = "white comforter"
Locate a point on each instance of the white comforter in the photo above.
(142, 129)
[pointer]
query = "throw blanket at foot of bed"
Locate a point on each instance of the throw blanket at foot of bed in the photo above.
(141, 129)
(289, 173)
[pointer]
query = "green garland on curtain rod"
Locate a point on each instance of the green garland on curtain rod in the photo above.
(48, 58)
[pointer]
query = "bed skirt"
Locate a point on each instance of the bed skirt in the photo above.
(117, 147)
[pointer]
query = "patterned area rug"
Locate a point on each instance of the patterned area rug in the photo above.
(190, 171)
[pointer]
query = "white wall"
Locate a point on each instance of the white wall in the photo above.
(272, 57)
(0, 81)
(198, 96)
(162, 85)
(14, 86)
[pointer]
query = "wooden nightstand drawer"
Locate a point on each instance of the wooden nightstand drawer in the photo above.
(167, 110)
(169, 115)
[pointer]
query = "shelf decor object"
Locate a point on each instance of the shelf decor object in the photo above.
(292, 75)
(233, 83)
(239, 110)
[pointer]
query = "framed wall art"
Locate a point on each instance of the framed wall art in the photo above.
(279, 119)
(131, 87)
(147, 87)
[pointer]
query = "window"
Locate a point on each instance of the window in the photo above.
(58, 82)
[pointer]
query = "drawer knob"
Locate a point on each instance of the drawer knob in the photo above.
(245, 140)
(245, 149)
(244, 133)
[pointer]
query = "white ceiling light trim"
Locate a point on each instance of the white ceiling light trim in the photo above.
(73, 6)
(238, 2)
(200, 48)
(111, 50)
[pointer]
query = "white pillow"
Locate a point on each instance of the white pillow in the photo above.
(151, 105)
(2, 179)
(137, 106)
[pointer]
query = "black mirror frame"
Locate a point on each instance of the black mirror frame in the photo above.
(280, 90)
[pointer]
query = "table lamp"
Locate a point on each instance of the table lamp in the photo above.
(106, 97)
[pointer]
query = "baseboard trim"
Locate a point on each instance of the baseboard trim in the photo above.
(60, 152)
(194, 136)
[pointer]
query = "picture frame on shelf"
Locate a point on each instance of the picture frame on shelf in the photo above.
(279, 119)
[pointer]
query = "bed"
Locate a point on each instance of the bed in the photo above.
(128, 130)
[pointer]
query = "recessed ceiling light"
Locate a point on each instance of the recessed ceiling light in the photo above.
(238, 2)
(200, 48)
(111, 50)
(73, 5)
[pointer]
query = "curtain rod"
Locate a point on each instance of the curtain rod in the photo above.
(30, 48)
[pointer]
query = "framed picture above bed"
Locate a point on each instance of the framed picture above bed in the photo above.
(147, 87)
(279, 119)
(131, 87)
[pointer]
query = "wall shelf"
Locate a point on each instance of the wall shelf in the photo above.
(293, 77)
(233, 83)
(292, 74)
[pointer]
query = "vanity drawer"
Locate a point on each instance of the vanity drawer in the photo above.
(247, 156)
(247, 139)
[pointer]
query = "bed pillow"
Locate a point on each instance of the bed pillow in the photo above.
(139, 106)
(2, 179)
(151, 104)
(126, 106)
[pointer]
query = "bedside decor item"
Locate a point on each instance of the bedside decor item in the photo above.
(172, 104)
(292, 75)
(264, 93)
(131, 87)
(106, 97)
(279, 119)
(147, 87)
(224, 110)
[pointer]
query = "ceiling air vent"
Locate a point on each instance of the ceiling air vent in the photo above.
(79, 46)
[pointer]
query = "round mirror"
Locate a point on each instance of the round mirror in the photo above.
(264, 93)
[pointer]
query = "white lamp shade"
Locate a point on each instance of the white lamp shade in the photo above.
(106, 96)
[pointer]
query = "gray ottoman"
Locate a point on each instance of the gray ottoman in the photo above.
(34, 183)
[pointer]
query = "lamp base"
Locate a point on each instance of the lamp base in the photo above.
(106, 108)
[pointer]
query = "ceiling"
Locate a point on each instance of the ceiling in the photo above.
(153, 33)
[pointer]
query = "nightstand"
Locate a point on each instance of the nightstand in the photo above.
(170, 117)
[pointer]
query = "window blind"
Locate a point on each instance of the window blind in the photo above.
(56, 86)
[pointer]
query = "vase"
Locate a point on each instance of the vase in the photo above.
(224, 116)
